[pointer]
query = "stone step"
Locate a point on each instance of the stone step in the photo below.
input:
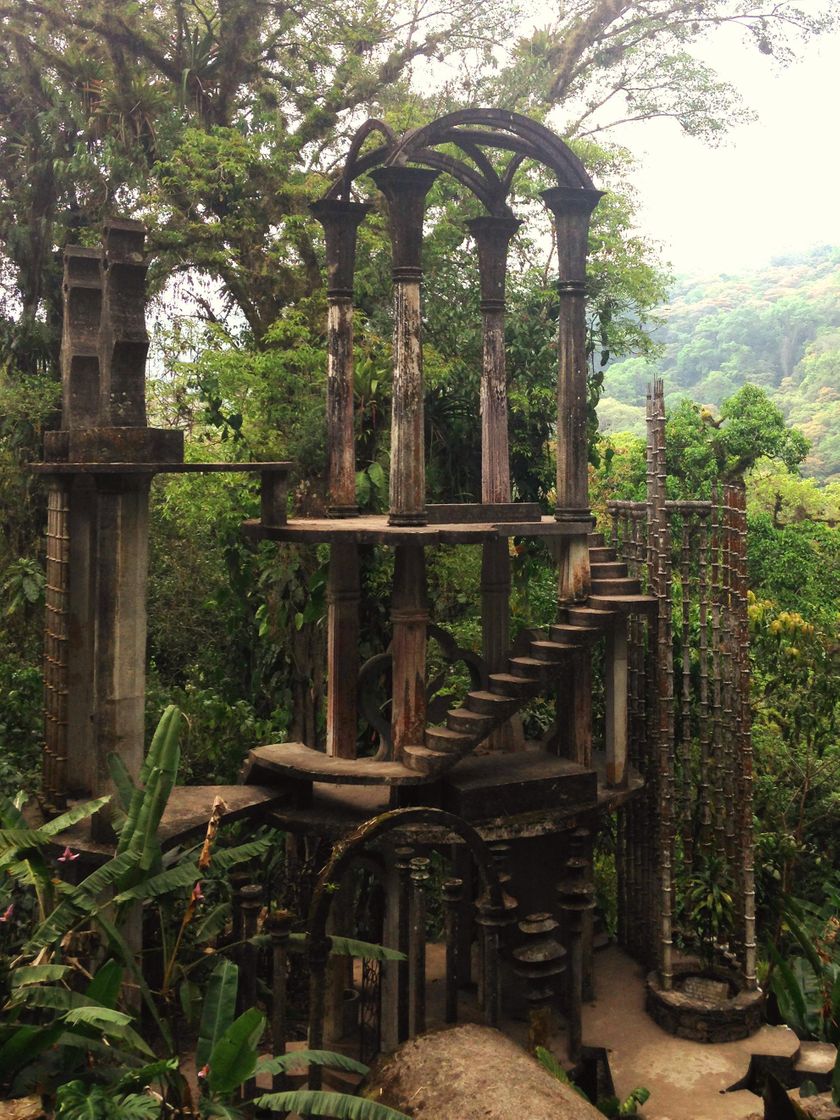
(423, 760)
(532, 669)
(815, 1062)
(602, 555)
(279, 761)
(596, 540)
(609, 570)
(566, 634)
(506, 684)
(469, 723)
(444, 739)
(551, 651)
(625, 586)
(588, 617)
(627, 604)
(495, 704)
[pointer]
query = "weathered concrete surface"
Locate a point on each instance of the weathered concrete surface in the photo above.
(820, 1107)
(687, 1080)
(472, 1073)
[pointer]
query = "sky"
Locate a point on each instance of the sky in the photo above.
(773, 187)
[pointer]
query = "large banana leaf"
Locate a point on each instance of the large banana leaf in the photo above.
(299, 1058)
(218, 1011)
(81, 902)
(234, 1057)
(308, 1102)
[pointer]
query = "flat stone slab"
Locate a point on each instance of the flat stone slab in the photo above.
(687, 1080)
(471, 1072)
(816, 1059)
(189, 807)
(517, 782)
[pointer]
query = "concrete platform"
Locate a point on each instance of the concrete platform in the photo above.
(687, 1080)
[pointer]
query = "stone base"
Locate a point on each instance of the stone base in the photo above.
(706, 1004)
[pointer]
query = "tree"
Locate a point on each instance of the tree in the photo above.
(210, 118)
(703, 448)
(615, 62)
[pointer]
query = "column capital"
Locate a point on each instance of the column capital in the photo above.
(405, 189)
(571, 208)
(341, 219)
(493, 234)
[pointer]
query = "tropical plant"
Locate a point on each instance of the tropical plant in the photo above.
(609, 1106)
(707, 907)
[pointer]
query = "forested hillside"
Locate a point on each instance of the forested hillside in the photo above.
(777, 327)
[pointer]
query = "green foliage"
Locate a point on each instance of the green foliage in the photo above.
(79, 1101)
(609, 1106)
(706, 906)
(335, 1105)
(806, 976)
(776, 329)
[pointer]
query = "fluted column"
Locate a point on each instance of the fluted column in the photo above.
(571, 208)
(405, 189)
(340, 220)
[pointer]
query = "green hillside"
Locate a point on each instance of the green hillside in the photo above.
(778, 327)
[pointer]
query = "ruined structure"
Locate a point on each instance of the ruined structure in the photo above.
(514, 823)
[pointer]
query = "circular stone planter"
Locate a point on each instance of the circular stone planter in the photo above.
(707, 1003)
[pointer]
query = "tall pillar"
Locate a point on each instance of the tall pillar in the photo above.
(410, 617)
(119, 684)
(56, 645)
(342, 649)
(571, 208)
(493, 235)
(615, 688)
(340, 220)
(122, 519)
(82, 288)
(405, 189)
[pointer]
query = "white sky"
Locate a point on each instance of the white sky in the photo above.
(774, 186)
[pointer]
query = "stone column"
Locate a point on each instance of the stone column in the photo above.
(123, 340)
(615, 699)
(79, 410)
(405, 189)
(342, 649)
(82, 289)
(571, 208)
(340, 220)
(120, 561)
(575, 897)
(493, 235)
(119, 685)
(57, 588)
(410, 617)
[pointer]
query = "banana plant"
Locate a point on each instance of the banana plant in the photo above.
(227, 1058)
(69, 915)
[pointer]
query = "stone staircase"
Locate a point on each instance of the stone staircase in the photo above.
(483, 710)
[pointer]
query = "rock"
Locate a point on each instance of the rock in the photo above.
(820, 1107)
(22, 1108)
(471, 1073)
(816, 1063)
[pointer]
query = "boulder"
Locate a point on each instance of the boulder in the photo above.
(471, 1073)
